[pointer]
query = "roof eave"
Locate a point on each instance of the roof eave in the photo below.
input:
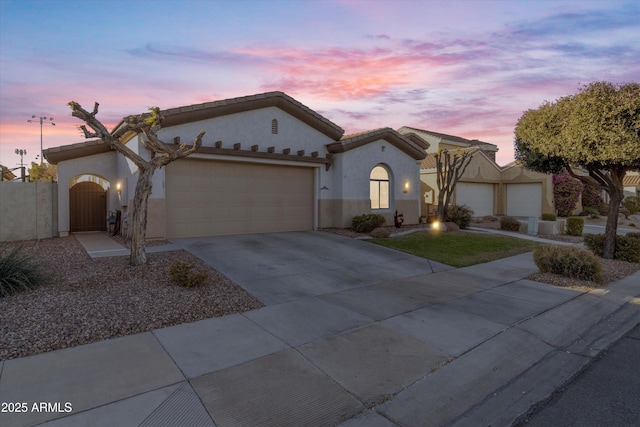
(193, 113)
(55, 155)
(388, 134)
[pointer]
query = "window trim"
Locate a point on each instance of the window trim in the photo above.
(378, 184)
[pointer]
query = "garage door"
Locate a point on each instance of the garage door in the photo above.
(208, 198)
(524, 200)
(478, 197)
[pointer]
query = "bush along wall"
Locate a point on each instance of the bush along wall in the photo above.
(366, 223)
(575, 225)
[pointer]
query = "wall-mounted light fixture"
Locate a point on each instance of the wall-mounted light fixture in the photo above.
(406, 187)
(118, 187)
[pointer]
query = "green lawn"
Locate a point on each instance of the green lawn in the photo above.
(458, 249)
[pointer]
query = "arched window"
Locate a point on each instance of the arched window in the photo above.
(274, 126)
(379, 188)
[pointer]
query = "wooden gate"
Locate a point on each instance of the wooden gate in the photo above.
(88, 207)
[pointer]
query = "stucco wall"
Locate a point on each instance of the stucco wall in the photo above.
(28, 210)
(252, 128)
(103, 165)
(353, 169)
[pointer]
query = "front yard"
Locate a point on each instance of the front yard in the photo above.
(464, 248)
(459, 249)
(89, 300)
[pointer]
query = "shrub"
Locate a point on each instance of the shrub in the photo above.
(366, 223)
(509, 223)
(624, 211)
(568, 261)
(627, 247)
(595, 242)
(632, 204)
(566, 191)
(575, 225)
(18, 271)
(461, 215)
(183, 275)
(592, 196)
(603, 209)
(591, 212)
(548, 217)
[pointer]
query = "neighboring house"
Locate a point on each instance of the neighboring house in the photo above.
(6, 174)
(631, 183)
(485, 187)
(267, 163)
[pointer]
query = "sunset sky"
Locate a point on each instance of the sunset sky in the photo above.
(466, 68)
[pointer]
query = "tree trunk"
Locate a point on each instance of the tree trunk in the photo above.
(441, 206)
(139, 216)
(616, 196)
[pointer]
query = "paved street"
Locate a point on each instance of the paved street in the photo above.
(606, 394)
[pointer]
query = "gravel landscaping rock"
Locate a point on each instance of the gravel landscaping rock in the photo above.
(92, 300)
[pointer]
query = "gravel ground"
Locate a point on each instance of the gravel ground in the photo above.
(92, 300)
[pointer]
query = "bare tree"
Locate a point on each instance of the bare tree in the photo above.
(148, 125)
(450, 165)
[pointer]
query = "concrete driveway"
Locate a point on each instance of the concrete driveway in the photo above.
(353, 335)
(281, 267)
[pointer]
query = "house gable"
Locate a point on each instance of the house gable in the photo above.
(226, 107)
(439, 140)
(412, 146)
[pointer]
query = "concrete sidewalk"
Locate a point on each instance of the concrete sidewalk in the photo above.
(470, 346)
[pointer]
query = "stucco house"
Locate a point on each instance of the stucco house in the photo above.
(6, 174)
(267, 163)
(485, 187)
(631, 183)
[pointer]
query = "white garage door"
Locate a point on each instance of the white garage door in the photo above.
(524, 200)
(208, 198)
(478, 197)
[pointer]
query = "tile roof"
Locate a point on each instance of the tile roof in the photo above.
(451, 138)
(631, 180)
(72, 151)
(7, 175)
(190, 113)
(402, 142)
(429, 162)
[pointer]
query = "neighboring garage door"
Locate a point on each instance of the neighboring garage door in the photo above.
(478, 197)
(524, 200)
(208, 198)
